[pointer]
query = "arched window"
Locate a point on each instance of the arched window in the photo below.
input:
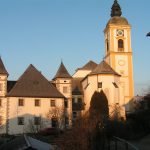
(107, 45)
(120, 45)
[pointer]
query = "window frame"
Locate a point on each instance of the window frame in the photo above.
(120, 45)
(37, 120)
(65, 89)
(20, 120)
(74, 114)
(66, 103)
(37, 103)
(1, 87)
(100, 85)
(20, 102)
(1, 102)
(53, 103)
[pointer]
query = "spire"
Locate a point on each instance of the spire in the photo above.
(2, 68)
(62, 72)
(116, 9)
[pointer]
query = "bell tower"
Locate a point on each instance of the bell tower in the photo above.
(118, 51)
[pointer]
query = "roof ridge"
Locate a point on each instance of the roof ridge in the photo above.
(32, 83)
(90, 65)
(104, 68)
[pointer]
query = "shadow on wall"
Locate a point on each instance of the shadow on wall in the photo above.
(28, 123)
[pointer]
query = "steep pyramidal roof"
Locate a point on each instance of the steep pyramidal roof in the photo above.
(89, 66)
(62, 72)
(104, 68)
(2, 68)
(33, 84)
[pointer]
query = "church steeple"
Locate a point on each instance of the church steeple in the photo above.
(116, 9)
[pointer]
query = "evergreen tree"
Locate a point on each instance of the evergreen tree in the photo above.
(99, 105)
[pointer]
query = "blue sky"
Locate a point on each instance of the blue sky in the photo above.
(42, 32)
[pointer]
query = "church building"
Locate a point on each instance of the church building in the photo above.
(34, 102)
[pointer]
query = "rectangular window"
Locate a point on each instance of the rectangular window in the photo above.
(0, 102)
(115, 85)
(66, 121)
(37, 120)
(74, 115)
(20, 121)
(1, 120)
(53, 103)
(99, 84)
(66, 104)
(20, 102)
(65, 89)
(79, 100)
(1, 87)
(54, 122)
(37, 102)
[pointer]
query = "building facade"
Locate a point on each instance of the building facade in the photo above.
(33, 102)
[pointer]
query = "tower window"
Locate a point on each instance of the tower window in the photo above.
(99, 84)
(107, 45)
(120, 45)
(0, 102)
(1, 87)
(65, 89)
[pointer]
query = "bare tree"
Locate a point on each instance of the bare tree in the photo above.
(116, 112)
(59, 114)
(34, 125)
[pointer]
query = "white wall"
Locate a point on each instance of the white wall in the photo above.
(3, 113)
(114, 95)
(29, 111)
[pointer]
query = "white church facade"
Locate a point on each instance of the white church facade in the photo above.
(35, 102)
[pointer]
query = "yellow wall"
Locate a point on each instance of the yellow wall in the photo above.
(121, 62)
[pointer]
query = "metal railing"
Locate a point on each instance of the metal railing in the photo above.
(121, 144)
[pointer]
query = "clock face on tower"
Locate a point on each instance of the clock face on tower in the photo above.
(121, 62)
(120, 32)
